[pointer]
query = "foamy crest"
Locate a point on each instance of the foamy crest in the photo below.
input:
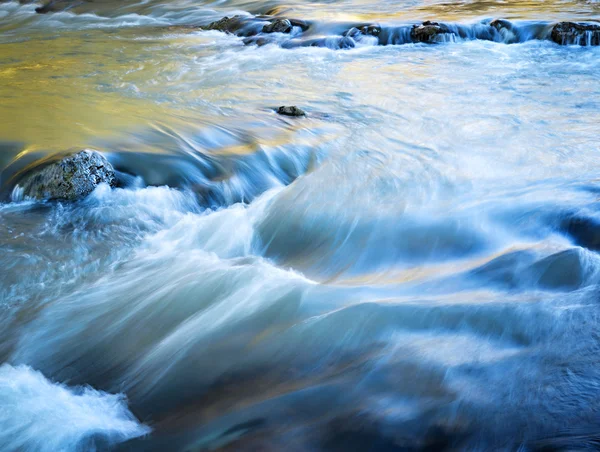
(38, 415)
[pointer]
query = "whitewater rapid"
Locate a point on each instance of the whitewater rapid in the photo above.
(39, 415)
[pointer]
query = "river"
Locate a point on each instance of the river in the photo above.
(413, 265)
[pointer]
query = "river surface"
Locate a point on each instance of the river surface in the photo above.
(413, 265)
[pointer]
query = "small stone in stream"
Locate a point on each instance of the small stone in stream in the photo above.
(290, 111)
(278, 26)
(427, 31)
(570, 33)
(73, 177)
(370, 30)
(499, 24)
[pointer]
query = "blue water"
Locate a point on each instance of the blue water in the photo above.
(412, 266)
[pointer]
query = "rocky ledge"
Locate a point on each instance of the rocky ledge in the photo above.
(251, 26)
(70, 178)
(256, 30)
(571, 33)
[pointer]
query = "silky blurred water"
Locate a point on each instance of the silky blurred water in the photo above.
(411, 266)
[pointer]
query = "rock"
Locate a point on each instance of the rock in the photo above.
(427, 31)
(352, 33)
(366, 30)
(226, 24)
(500, 24)
(57, 5)
(507, 30)
(370, 30)
(278, 26)
(571, 33)
(299, 23)
(71, 178)
(290, 111)
(247, 26)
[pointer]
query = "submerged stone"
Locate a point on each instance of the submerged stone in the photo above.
(367, 30)
(302, 24)
(427, 31)
(70, 178)
(507, 30)
(571, 33)
(370, 30)
(290, 111)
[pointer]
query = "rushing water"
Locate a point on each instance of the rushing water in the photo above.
(412, 265)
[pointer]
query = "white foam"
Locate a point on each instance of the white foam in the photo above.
(38, 415)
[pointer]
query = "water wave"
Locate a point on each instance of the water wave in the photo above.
(39, 415)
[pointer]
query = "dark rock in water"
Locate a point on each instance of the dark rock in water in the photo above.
(278, 26)
(226, 24)
(570, 33)
(71, 178)
(299, 23)
(370, 30)
(364, 30)
(57, 5)
(290, 111)
(352, 33)
(367, 30)
(499, 24)
(428, 31)
(247, 26)
(509, 32)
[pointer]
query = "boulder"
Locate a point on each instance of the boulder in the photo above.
(227, 24)
(247, 26)
(70, 178)
(290, 111)
(571, 33)
(428, 31)
(278, 26)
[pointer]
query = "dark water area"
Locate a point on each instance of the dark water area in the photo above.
(411, 265)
